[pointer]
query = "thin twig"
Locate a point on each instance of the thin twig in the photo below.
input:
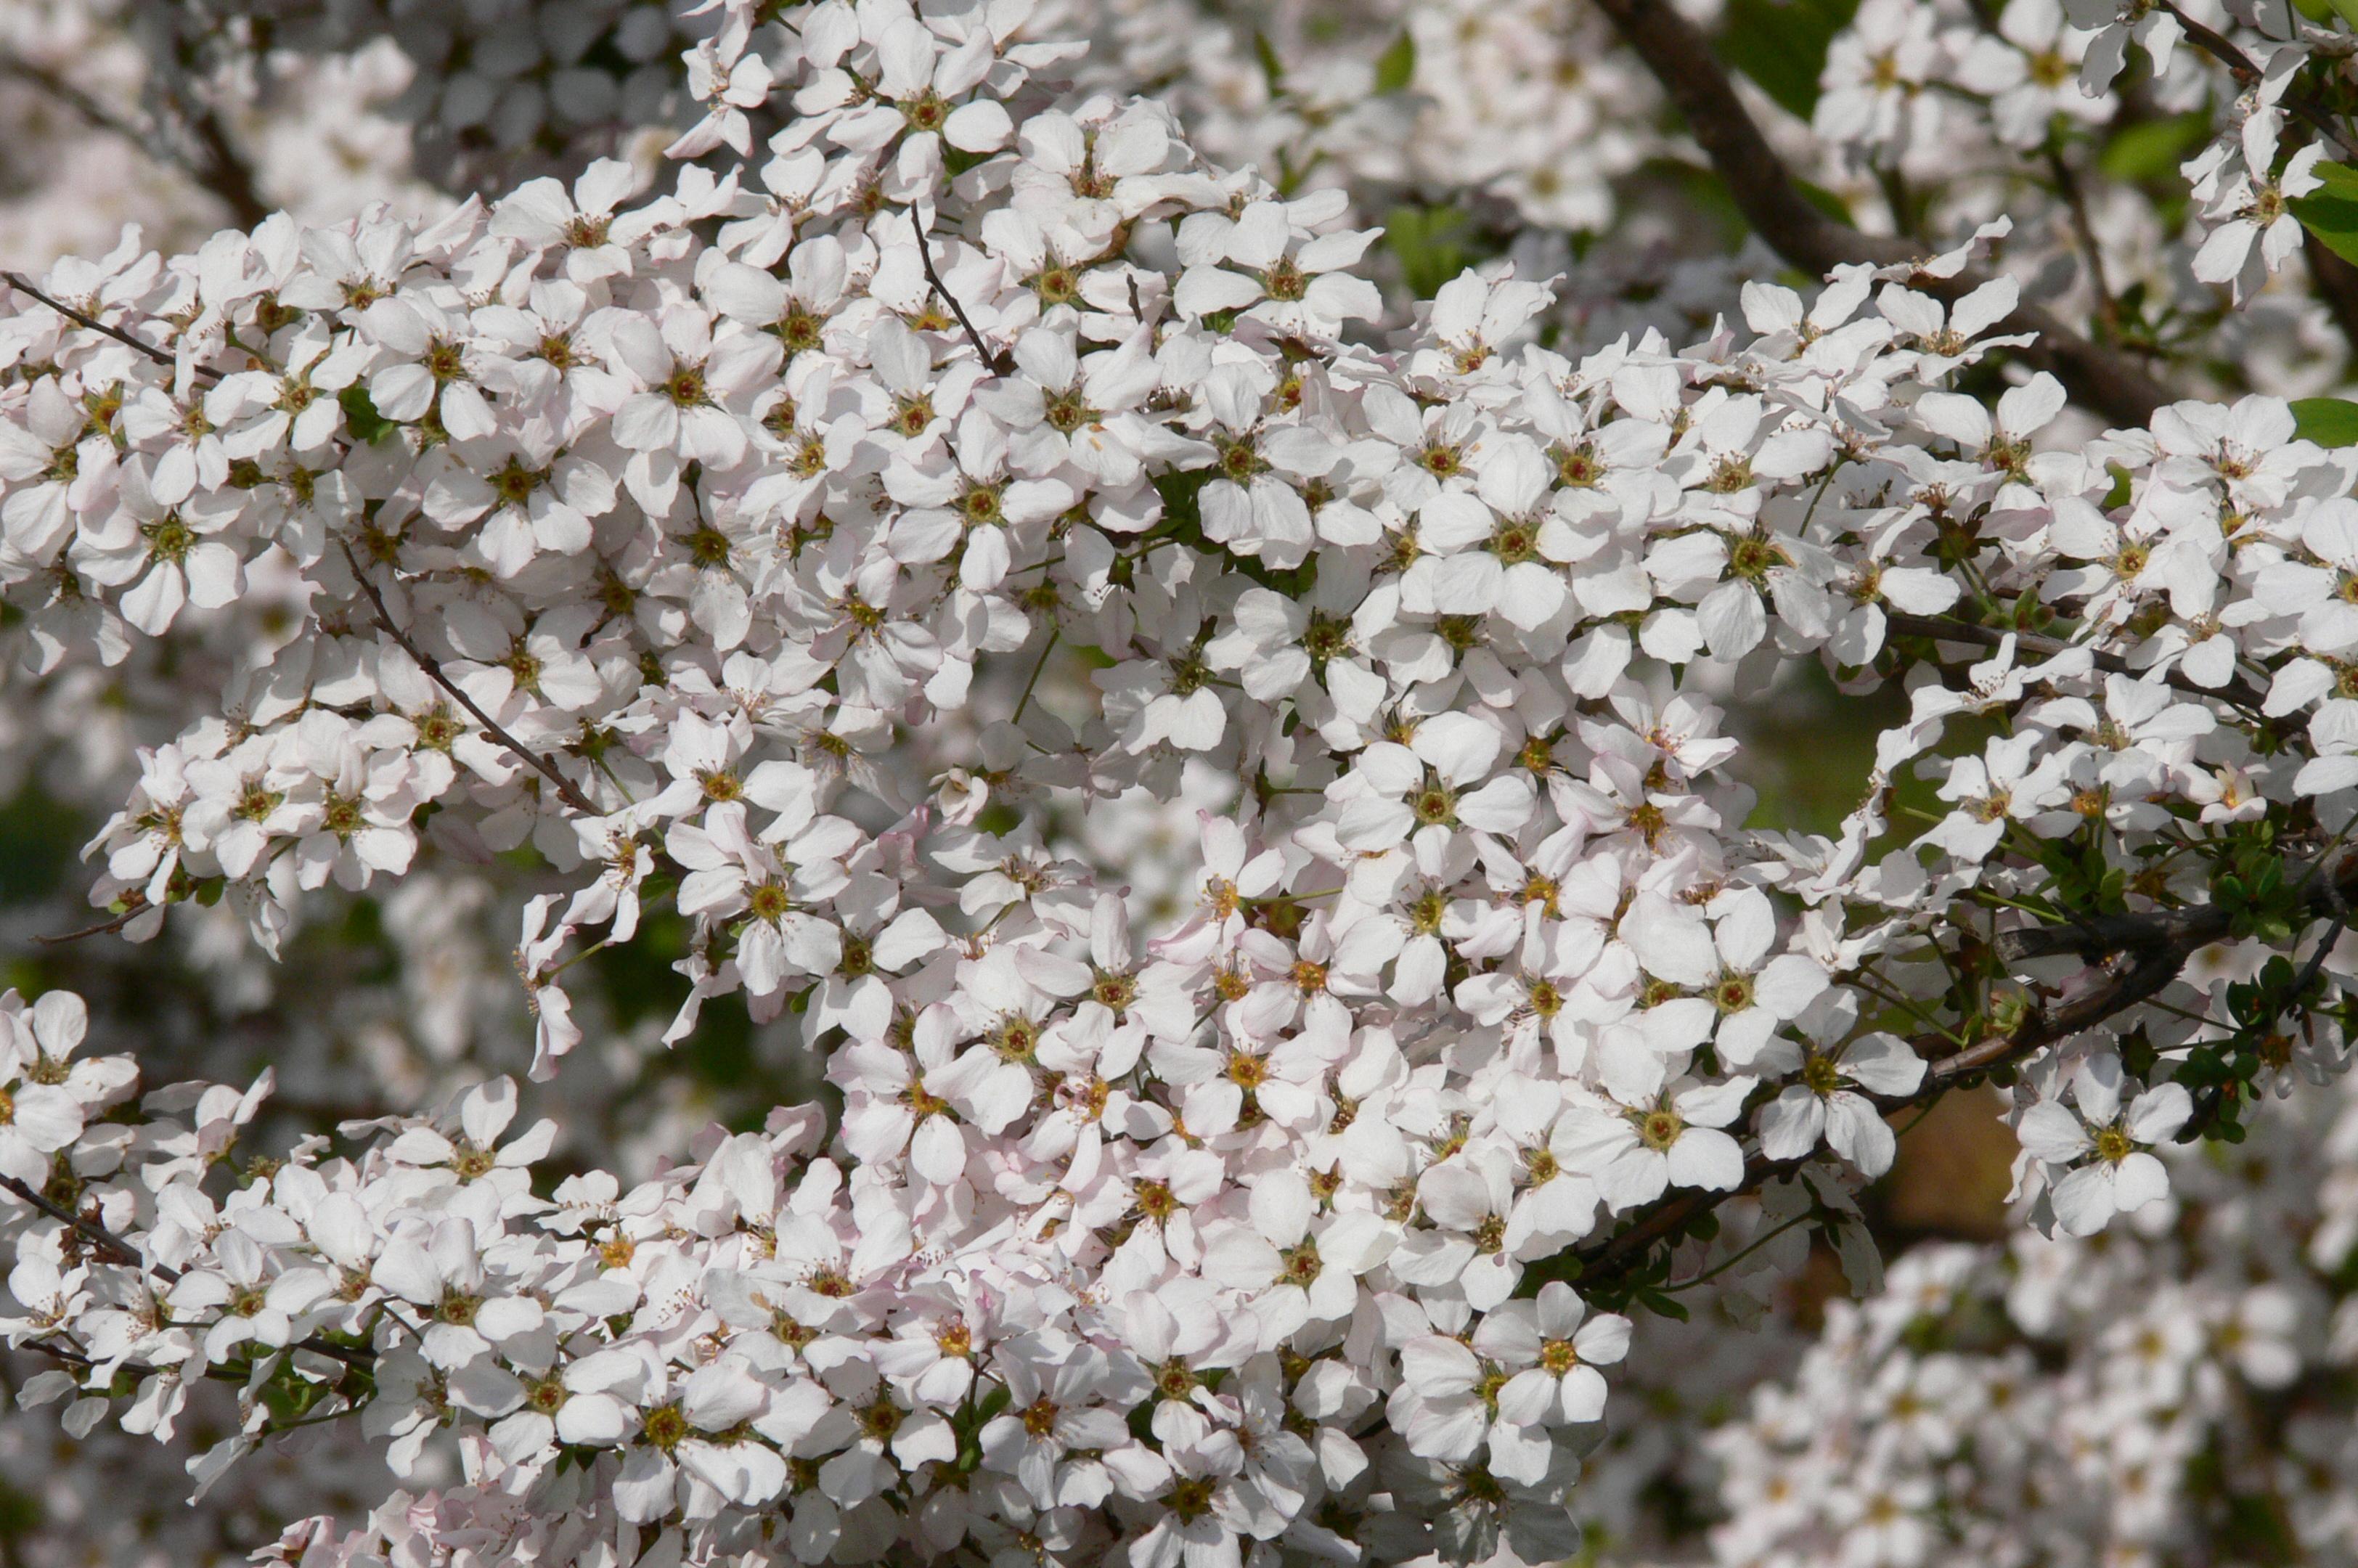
(2151, 971)
(2247, 73)
(17, 282)
(1000, 363)
(1025, 701)
(219, 167)
(2179, 930)
(1681, 58)
(214, 163)
(1948, 629)
(1723, 1267)
(566, 789)
(2075, 203)
(101, 929)
(100, 116)
(2309, 973)
(116, 1249)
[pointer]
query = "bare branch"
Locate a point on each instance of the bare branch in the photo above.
(100, 116)
(2247, 73)
(217, 164)
(117, 1250)
(566, 791)
(2075, 203)
(1002, 362)
(2147, 952)
(101, 929)
(20, 283)
(2181, 931)
(114, 1249)
(1681, 58)
(1947, 629)
(212, 160)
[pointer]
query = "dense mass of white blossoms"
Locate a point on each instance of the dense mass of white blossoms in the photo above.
(2100, 1401)
(674, 538)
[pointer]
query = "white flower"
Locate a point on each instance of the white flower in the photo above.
(2119, 1175)
(1634, 1154)
(1824, 1104)
(1556, 1355)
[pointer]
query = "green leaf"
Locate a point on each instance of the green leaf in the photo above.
(1270, 66)
(1782, 45)
(1396, 67)
(361, 415)
(1660, 1306)
(2331, 214)
(1430, 243)
(1825, 201)
(1182, 510)
(2327, 421)
(2152, 149)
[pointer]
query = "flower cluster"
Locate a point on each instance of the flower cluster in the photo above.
(697, 550)
(2165, 1396)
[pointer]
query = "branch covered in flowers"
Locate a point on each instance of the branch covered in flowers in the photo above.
(1678, 55)
(696, 548)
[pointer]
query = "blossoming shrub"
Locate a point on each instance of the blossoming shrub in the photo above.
(2176, 1383)
(677, 546)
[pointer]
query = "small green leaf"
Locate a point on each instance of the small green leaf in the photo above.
(361, 415)
(1270, 66)
(1782, 45)
(2331, 214)
(2327, 421)
(1181, 509)
(1825, 201)
(2152, 149)
(1396, 67)
(1661, 1305)
(1430, 243)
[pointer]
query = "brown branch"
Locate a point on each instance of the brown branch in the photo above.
(101, 929)
(566, 791)
(2181, 931)
(1946, 628)
(113, 1247)
(99, 117)
(2147, 953)
(215, 163)
(2075, 204)
(117, 1250)
(1000, 363)
(218, 166)
(1681, 58)
(19, 282)
(2247, 73)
